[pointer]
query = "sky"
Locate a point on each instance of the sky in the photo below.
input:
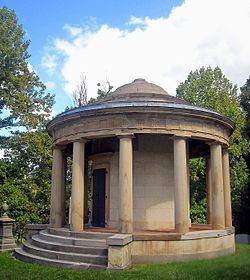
(119, 41)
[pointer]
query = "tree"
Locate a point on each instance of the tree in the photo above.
(23, 100)
(209, 88)
(25, 169)
(25, 177)
(104, 89)
(245, 102)
(80, 94)
(244, 212)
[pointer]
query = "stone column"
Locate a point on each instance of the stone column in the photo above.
(125, 184)
(209, 191)
(57, 208)
(218, 214)
(181, 188)
(226, 183)
(188, 183)
(63, 197)
(77, 191)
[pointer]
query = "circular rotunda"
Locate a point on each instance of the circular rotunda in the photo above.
(139, 140)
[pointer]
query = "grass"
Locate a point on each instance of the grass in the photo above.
(230, 267)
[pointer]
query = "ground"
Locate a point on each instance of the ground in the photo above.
(230, 267)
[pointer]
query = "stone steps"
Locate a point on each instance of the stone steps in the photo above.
(69, 249)
(67, 256)
(27, 257)
(91, 242)
(86, 235)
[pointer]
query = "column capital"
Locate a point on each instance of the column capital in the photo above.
(225, 148)
(59, 147)
(212, 143)
(80, 140)
(125, 135)
(180, 137)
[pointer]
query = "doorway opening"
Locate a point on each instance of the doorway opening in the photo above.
(99, 197)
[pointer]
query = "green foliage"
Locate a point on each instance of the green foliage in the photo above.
(197, 190)
(21, 206)
(245, 99)
(243, 212)
(23, 101)
(198, 211)
(209, 88)
(3, 171)
(25, 170)
(26, 173)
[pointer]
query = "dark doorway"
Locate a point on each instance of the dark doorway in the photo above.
(98, 215)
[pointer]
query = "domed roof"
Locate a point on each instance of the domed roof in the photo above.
(140, 86)
(140, 90)
(139, 96)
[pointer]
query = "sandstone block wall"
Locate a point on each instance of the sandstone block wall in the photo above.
(153, 183)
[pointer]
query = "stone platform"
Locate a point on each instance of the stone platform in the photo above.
(93, 249)
(64, 248)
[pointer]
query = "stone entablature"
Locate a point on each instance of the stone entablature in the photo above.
(157, 121)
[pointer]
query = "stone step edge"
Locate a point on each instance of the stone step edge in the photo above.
(24, 256)
(45, 233)
(42, 241)
(73, 242)
(67, 233)
(27, 244)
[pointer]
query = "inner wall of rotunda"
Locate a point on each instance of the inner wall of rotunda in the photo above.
(153, 184)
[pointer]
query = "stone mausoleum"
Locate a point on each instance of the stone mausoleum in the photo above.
(139, 140)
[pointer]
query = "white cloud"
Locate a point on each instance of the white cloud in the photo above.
(162, 50)
(138, 21)
(49, 62)
(50, 85)
(73, 31)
